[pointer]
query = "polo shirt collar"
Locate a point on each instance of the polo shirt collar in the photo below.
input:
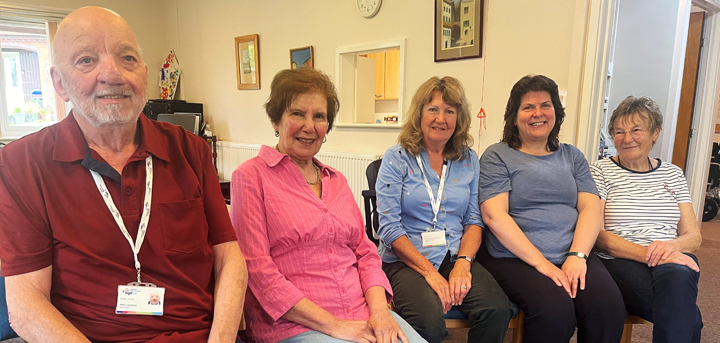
(273, 157)
(71, 145)
(151, 139)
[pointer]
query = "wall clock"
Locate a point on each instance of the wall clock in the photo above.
(368, 8)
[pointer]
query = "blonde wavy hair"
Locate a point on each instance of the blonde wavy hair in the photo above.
(453, 94)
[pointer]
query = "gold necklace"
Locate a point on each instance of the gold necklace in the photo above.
(317, 173)
(317, 170)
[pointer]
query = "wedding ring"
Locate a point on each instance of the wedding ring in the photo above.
(463, 287)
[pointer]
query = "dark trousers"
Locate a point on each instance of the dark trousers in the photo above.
(665, 295)
(485, 305)
(550, 314)
(6, 332)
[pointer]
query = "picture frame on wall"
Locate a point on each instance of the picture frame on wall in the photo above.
(302, 58)
(458, 29)
(247, 61)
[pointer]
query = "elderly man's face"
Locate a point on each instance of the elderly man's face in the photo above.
(100, 69)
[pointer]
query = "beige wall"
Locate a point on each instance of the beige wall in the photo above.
(524, 36)
(144, 18)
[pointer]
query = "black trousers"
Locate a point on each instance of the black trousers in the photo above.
(665, 295)
(485, 305)
(551, 315)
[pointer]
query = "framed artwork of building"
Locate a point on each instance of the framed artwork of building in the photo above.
(458, 29)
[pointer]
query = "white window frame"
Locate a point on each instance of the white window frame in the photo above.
(24, 15)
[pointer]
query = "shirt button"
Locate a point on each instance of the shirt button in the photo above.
(331, 250)
(335, 270)
(128, 191)
(325, 210)
(332, 231)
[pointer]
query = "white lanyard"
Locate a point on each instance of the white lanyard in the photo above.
(435, 203)
(116, 214)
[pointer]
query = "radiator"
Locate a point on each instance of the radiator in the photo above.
(231, 155)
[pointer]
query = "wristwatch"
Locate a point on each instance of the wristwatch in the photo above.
(578, 254)
(469, 259)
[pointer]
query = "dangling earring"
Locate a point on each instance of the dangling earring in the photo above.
(277, 134)
(324, 139)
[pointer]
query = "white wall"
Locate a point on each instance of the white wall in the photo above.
(644, 51)
(524, 36)
(144, 18)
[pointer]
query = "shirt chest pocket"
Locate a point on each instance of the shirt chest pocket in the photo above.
(184, 227)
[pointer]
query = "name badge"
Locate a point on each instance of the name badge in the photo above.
(141, 299)
(433, 238)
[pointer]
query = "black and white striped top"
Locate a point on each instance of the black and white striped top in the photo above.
(641, 207)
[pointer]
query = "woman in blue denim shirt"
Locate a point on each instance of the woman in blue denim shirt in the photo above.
(430, 225)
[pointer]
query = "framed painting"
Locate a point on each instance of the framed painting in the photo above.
(302, 58)
(247, 62)
(458, 29)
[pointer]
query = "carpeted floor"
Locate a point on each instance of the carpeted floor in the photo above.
(708, 297)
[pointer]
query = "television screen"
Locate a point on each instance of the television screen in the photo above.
(190, 121)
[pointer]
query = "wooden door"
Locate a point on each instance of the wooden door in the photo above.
(687, 92)
(392, 74)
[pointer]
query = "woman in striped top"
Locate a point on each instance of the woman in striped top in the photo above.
(650, 226)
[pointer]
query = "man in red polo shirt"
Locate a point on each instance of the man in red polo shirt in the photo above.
(107, 208)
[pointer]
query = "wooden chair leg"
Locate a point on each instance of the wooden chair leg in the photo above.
(519, 331)
(627, 333)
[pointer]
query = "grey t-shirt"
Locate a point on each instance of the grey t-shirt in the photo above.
(542, 191)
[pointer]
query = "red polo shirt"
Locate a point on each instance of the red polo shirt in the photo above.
(51, 213)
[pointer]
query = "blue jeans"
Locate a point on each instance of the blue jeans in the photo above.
(318, 337)
(665, 295)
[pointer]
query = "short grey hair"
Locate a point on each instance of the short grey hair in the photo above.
(642, 107)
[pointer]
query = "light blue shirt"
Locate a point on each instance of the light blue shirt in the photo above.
(404, 206)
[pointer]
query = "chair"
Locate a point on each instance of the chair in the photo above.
(627, 331)
(370, 199)
(454, 319)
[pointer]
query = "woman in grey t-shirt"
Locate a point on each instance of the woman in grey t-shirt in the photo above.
(540, 203)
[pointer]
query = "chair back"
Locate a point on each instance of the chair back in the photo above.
(372, 172)
(371, 216)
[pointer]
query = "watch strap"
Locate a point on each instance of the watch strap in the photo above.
(578, 254)
(467, 258)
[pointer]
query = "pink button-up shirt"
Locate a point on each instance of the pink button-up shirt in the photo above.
(300, 246)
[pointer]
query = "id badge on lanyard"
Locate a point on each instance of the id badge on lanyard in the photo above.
(135, 297)
(435, 237)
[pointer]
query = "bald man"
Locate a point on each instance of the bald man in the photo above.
(105, 206)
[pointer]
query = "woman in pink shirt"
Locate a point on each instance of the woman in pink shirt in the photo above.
(313, 274)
